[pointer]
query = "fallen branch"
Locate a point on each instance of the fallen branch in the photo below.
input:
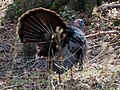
(95, 46)
(109, 6)
(11, 87)
(103, 32)
(100, 54)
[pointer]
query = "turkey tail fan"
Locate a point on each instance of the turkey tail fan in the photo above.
(40, 25)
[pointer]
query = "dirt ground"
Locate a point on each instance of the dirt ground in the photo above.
(101, 69)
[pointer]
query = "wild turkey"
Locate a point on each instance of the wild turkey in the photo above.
(64, 46)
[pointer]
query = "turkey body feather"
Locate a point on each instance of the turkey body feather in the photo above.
(73, 52)
(65, 45)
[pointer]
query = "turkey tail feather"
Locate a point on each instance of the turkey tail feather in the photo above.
(39, 25)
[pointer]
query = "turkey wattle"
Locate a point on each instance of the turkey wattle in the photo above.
(65, 46)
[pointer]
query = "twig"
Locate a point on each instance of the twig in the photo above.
(102, 32)
(94, 46)
(100, 53)
(12, 86)
(117, 28)
(109, 6)
(32, 60)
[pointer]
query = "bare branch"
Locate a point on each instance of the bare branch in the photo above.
(103, 32)
(109, 6)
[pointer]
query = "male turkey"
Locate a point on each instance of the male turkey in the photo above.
(64, 46)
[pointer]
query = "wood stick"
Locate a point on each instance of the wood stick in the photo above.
(109, 6)
(102, 32)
